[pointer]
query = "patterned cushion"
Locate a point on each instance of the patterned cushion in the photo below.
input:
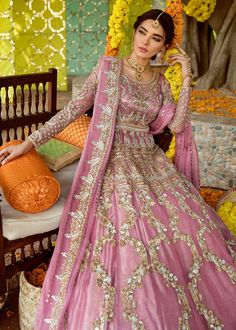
(27, 183)
(76, 132)
(57, 154)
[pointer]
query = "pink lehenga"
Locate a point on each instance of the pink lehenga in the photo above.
(153, 255)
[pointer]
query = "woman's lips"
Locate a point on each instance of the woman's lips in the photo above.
(143, 50)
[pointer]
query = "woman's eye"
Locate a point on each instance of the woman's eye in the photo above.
(140, 31)
(158, 40)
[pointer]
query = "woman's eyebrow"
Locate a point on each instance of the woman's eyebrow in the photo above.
(155, 34)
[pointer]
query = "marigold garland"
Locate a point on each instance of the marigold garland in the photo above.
(215, 101)
(174, 73)
(201, 10)
(175, 9)
(227, 212)
(211, 195)
(117, 19)
(171, 150)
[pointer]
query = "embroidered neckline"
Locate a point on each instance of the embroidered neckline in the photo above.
(140, 82)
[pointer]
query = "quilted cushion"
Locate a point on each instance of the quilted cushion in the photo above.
(76, 132)
(27, 183)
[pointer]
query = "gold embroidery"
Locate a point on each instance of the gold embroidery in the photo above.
(103, 280)
(153, 246)
(125, 202)
(126, 174)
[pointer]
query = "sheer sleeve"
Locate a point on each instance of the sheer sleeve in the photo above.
(181, 117)
(83, 101)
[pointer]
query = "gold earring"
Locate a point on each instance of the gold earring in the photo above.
(159, 58)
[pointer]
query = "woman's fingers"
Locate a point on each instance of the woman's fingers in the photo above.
(3, 154)
(8, 154)
(3, 151)
(8, 158)
(181, 59)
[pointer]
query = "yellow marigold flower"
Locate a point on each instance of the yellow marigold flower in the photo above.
(171, 151)
(117, 19)
(201, 10)
(227, 212)
(174, 74)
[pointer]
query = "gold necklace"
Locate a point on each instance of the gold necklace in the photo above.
(139, 69)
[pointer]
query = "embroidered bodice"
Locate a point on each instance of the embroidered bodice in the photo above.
(138, 107)
(139, 102)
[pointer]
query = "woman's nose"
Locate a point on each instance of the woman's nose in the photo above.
(146, 41)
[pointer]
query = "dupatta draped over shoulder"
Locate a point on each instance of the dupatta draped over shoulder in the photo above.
(79, 212)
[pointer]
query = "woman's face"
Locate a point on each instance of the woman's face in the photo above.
(148, 40)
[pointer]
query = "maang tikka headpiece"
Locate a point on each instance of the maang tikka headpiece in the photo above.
(156, 23)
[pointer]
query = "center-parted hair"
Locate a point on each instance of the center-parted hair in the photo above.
(165, 20)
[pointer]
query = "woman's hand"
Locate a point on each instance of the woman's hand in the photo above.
(183, 59)
(14, 151)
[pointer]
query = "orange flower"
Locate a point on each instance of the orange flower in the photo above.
(211, 195)
(109, 50)
(214, 101)
(175, 9)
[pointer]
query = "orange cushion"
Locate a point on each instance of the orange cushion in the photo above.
(76, 132)
(27, 183)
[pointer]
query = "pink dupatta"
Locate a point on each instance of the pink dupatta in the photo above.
(186, 156)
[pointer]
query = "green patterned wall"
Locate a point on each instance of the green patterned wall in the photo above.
(32, 37)
(7, 47)
(67, 34)
(86, 26)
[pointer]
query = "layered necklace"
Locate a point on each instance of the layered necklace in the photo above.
(139, 69)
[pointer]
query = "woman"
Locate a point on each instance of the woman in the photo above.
(137, 248)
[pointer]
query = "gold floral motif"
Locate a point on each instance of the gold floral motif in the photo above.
(193, 274)
(153, 246)
(220, 264)
(103, 280)
(135, 280)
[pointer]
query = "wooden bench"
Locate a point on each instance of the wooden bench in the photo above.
(27, 101)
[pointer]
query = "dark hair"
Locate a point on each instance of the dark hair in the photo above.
(165, 21)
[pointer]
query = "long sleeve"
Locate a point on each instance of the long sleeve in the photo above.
(71, 111)
(181, 117)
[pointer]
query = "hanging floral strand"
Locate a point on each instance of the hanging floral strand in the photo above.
(201, 10)
(118, 18)
(174, 73)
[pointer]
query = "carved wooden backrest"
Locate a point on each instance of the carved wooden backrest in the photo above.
(26, 101)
